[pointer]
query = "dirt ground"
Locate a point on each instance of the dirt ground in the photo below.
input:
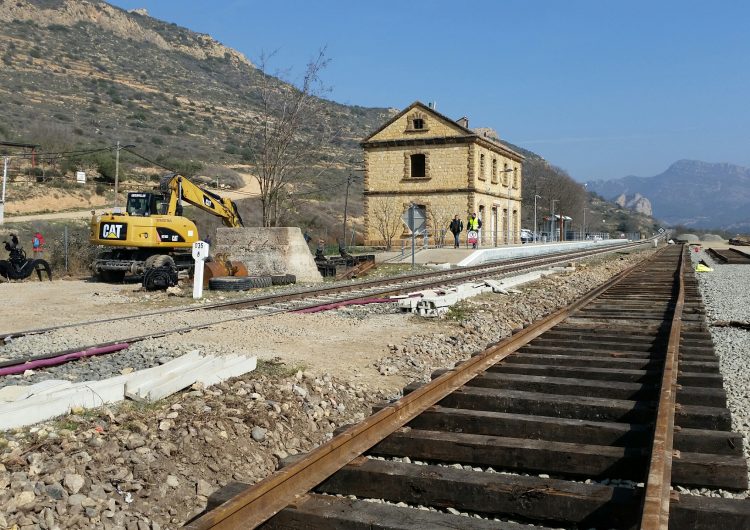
(319, 343)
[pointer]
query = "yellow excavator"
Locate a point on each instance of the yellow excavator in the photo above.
(151, 237)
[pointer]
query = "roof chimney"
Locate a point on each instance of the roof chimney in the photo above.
(463, 122)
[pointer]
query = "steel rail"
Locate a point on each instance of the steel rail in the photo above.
(476, 272)
(256, 504)
(655, 514)
(467, 272)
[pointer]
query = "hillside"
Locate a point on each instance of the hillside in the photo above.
(691, 193)
(79, 74)
(82, 72)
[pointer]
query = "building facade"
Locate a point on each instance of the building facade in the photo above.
(424, 158)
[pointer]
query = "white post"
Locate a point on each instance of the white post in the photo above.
(535, 228)
(200, 253)
(2, 197)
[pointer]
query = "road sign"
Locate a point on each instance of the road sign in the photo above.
(81, 177)
(200, 253)
(414, 218)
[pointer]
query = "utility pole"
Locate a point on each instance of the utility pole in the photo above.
(117, 172)
(2, 197)
(346, 204)
(117, 168)
(535, 228)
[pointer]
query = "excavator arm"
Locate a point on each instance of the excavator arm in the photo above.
(181, 189)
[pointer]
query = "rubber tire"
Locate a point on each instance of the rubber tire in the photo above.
(112, 276)
(260, 282)
(290, 279)
(230, 283)
(279, 279)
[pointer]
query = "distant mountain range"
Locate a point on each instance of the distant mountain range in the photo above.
(691, 193)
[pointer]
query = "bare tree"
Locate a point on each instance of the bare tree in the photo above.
(385, 215)
(551, 183)
(288, 135)
(439, 218)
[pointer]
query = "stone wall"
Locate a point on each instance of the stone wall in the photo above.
(279, 250)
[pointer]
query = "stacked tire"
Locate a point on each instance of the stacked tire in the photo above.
(243, 283)
(230, 283)
(283, 279)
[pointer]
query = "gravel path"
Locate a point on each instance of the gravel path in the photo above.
(726, 294)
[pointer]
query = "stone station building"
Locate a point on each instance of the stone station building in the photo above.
(423, 157)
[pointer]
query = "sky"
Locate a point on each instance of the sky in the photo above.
(601, 88)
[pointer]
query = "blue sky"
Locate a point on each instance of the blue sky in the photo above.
(602, 88)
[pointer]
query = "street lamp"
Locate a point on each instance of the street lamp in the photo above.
(507, 218)
(117, 167)
(552, 224)
(584, 223)
(535, 198)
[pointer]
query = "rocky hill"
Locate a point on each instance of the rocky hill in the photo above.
(691, 193)
(637, 203)
(82, 72)
(79, 74)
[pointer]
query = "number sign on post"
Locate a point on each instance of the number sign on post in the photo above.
(200, 253)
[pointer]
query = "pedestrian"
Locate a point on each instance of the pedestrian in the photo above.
(456, 227)
(473, 225)
(37, 244)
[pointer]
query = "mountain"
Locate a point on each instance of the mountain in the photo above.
(83, 72)
(691, 193)
(637, 203)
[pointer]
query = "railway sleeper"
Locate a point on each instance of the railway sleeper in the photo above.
(572, 430)
(713, 397)
(594, 361)
(583, 408)
(610, 374)
(576, 460)
(547, 501)
(327, 512)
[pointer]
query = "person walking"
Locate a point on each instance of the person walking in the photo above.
(473, 225)
(456, 227)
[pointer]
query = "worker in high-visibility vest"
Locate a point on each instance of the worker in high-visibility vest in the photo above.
(473, 224)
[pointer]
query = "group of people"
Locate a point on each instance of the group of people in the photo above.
(473, 224)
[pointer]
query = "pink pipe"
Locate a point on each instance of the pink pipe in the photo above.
(336, 305)
(60, 359)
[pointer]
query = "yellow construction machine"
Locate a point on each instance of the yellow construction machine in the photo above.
(151, 237)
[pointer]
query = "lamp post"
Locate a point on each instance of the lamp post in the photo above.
(553, 223)
(117, 167)
(535, 198)
(507, 218)
(584, 224)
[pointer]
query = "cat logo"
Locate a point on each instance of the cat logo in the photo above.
(113, 231)
(208, 202)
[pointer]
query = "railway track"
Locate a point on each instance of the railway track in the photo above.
(585, 419)
(729, 256)
(161, 323)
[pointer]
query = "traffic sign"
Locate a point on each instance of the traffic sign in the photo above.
(414, 218)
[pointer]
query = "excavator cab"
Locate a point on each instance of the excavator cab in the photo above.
(146, 204)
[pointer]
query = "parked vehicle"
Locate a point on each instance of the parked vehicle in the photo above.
(526, 235)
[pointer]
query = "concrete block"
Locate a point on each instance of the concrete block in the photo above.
(277, 250)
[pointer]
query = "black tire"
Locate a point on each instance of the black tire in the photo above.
(278, 279)
(290, 279)
(162, 260)
(112, 276)
(260, 282)
(230, 283)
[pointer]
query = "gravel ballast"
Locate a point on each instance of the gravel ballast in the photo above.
(152, 466)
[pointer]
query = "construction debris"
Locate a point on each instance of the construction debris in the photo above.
(26, 405)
